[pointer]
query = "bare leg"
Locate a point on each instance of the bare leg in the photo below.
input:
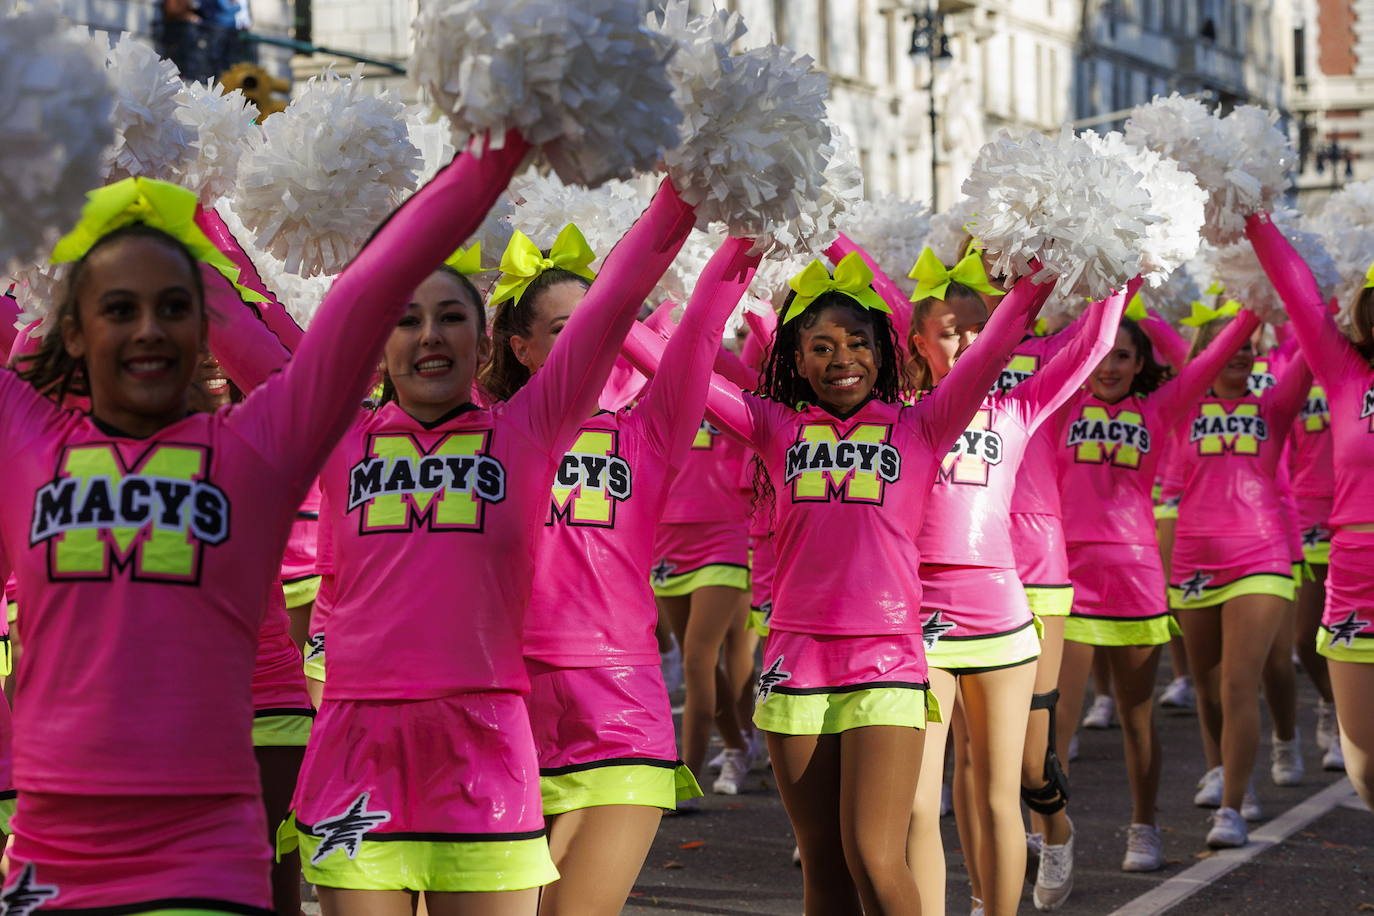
(807, 771)
(1353, 685)
(278, 768)
(1311, 601)
(1074, 671)
(740, 645)
(1280, 678)
(336, 901)
(1202, 636)
(925, 850)
(1133, 675)
(1102, 676)
(700, 622)
(599, 852)
(316, 690)
(996, 706)
(877, 790)
(966, 801)
(1248, 625)
(298, 621)
(496, 903)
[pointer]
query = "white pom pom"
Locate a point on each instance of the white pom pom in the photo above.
(544, 205)
(1175, 199)
(300, 295)
(585, 81)
(681, 277)
(1354, 204)
(949, 229)
(1084, 216)
(756, 142)
(54, 128)
(150, 140)
(433, 138)
(38, 289)
(325, 172)
(893, 231)
(1350, 244)
(1173, 299)
(1238, 267)
(1242, 160)
(222, 124)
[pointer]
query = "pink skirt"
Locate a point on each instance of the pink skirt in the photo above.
(976, 618)
(763, 565)
(1208, 571)
(141, 853)
(1042, 559)
(1314, 527)
(694, 555)
(1347, 629)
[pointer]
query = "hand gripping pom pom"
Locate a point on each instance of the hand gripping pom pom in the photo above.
(1084, 216)
(222, 124)
(54, 128)
(893, 231)
(325, 172)
(150, 140)
(756, 144)
(1239, 269)
(583, 81)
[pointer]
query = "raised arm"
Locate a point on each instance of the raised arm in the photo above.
(947, 409)
(1048, 389)
(9, 313)
(1331, 356)
(892, 293)
(1172, 346)
(272, 311)
(676, 398)
(726, 406)
(247, 351)
(1289, 394)
(563, 393)
(762, 327)
(297, 415)
(1178, 396)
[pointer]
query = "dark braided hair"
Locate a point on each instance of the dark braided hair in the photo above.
(504, 375)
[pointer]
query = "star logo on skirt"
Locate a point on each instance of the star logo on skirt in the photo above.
(346, 831)
(661, 572)
(1346, 630)
(316, 646)
(1194, 584)
(26, 894)
(766, 609)
(934, 628)
(772, 678)
(1314, 536)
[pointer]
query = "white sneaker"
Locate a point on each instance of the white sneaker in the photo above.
(1209, 789)
(1228, 829)
(975, 907)
(1285, 761)
(1054, 877)
(1034, 843)
(715, 762)
(1144, 849)
(733, 771)
(671, 666)
(1334, 759)
(1250, 807)
(1179, 694)
(1100, 713)
(1326, 724)
(1073, 748)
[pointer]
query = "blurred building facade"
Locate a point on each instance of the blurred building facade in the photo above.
(1333, 93)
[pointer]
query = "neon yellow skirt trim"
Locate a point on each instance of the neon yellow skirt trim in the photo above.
(1050, 602)
(286, 730)
(756, 621)
(618, 784)
(1164, 510)
(1257, 584)
(1358, 650)
(422, 865)
(1318, 555)
(314, 661)
(6, 656)
(988, 652)
(12, 612)
(1095, 631)
(301, 592)
(7, 806)
(715, 574)
(189, 911)
(838, 711)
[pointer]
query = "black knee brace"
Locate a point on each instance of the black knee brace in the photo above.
(1054, 794)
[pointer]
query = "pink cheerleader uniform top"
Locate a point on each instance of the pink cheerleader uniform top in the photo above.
(591, 604)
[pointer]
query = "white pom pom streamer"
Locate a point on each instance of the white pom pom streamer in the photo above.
(433, 138)
(893, 231)
(54, 125)
(1351, 245)
(1238, 267)
(300, 295)
(585, 81)
(1175, 198)
(756, 141)
(948, 231)
(38, 289)
(325, 172)
(222, 124)
(1242, 160)
(544, 205)
(1084, 216)
(1173, 298)
(150, 140)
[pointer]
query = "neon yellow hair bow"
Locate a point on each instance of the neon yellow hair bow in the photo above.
(522, 262)
(1136, 310)
(466, 261)
(1205, 314)
(1042, 327)
(1216, 289)
(852, 277)
(1369, 277)
(933, 278)
(158, 204)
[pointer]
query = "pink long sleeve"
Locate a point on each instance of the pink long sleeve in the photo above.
(736, 370)
(1178, 396)
(247, 351)
(296, 416)
(9, 314)
(273, 312)
(677, 391)
(882, 284)
(1171, 345)
(1050, 388)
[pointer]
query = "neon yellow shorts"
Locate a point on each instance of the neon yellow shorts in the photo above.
(8, 800)
(1050, 600)
(300, 592)
(987, 653)
(672, 585)
(618, 784)
(1101, 631)
(282, 728)
(1182, 599)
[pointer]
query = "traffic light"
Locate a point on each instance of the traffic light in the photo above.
(259, 87)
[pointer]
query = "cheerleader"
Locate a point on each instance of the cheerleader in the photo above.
(1232, 574)
(1343, 368)
(979, 630)
(844, 692)
(597, 705)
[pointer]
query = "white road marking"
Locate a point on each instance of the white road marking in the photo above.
(1188, 882)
